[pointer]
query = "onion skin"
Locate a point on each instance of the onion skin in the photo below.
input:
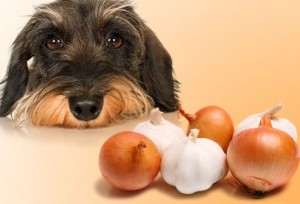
(263, 158)
(129, 161)
(213, 122)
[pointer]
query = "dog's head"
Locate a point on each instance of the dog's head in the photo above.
(94, 62)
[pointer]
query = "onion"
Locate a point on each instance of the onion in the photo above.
(213, 122)
(262, 158)
(129, 161)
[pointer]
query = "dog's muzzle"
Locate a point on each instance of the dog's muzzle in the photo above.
(86, 107)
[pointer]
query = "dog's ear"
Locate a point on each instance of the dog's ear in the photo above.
(16, 80)
(157, 74)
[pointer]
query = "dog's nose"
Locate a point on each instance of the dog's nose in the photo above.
(86, 107)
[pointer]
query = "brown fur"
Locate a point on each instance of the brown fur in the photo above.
(121, 82)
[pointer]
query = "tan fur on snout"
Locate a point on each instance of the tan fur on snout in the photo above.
(123, 101)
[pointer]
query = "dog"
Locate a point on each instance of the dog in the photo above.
(93, 63)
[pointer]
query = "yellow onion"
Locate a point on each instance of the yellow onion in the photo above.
(129, 160)
(262, 158)
(213, 122)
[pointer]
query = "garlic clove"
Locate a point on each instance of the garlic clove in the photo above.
(168, 166)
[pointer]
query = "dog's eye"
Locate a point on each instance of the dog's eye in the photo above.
(53, 43)
(114, 41)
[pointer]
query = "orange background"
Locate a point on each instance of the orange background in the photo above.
(241, 55)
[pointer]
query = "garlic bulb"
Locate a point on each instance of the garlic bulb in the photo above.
(162, 132)
(253, 121)
(193, 164)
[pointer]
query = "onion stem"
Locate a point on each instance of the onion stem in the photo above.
(272, 111)
(189, 117)
(142, 145)
(266, 121)
(138, 151)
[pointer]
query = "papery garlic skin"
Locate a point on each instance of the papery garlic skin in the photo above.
(161, 131)
(285, 125)
(193, 164)
(253, 121)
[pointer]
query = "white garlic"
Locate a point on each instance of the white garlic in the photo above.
(282, 124)
(193, 164)
(161, 131)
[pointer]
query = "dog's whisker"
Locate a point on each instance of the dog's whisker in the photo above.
(18, 124)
